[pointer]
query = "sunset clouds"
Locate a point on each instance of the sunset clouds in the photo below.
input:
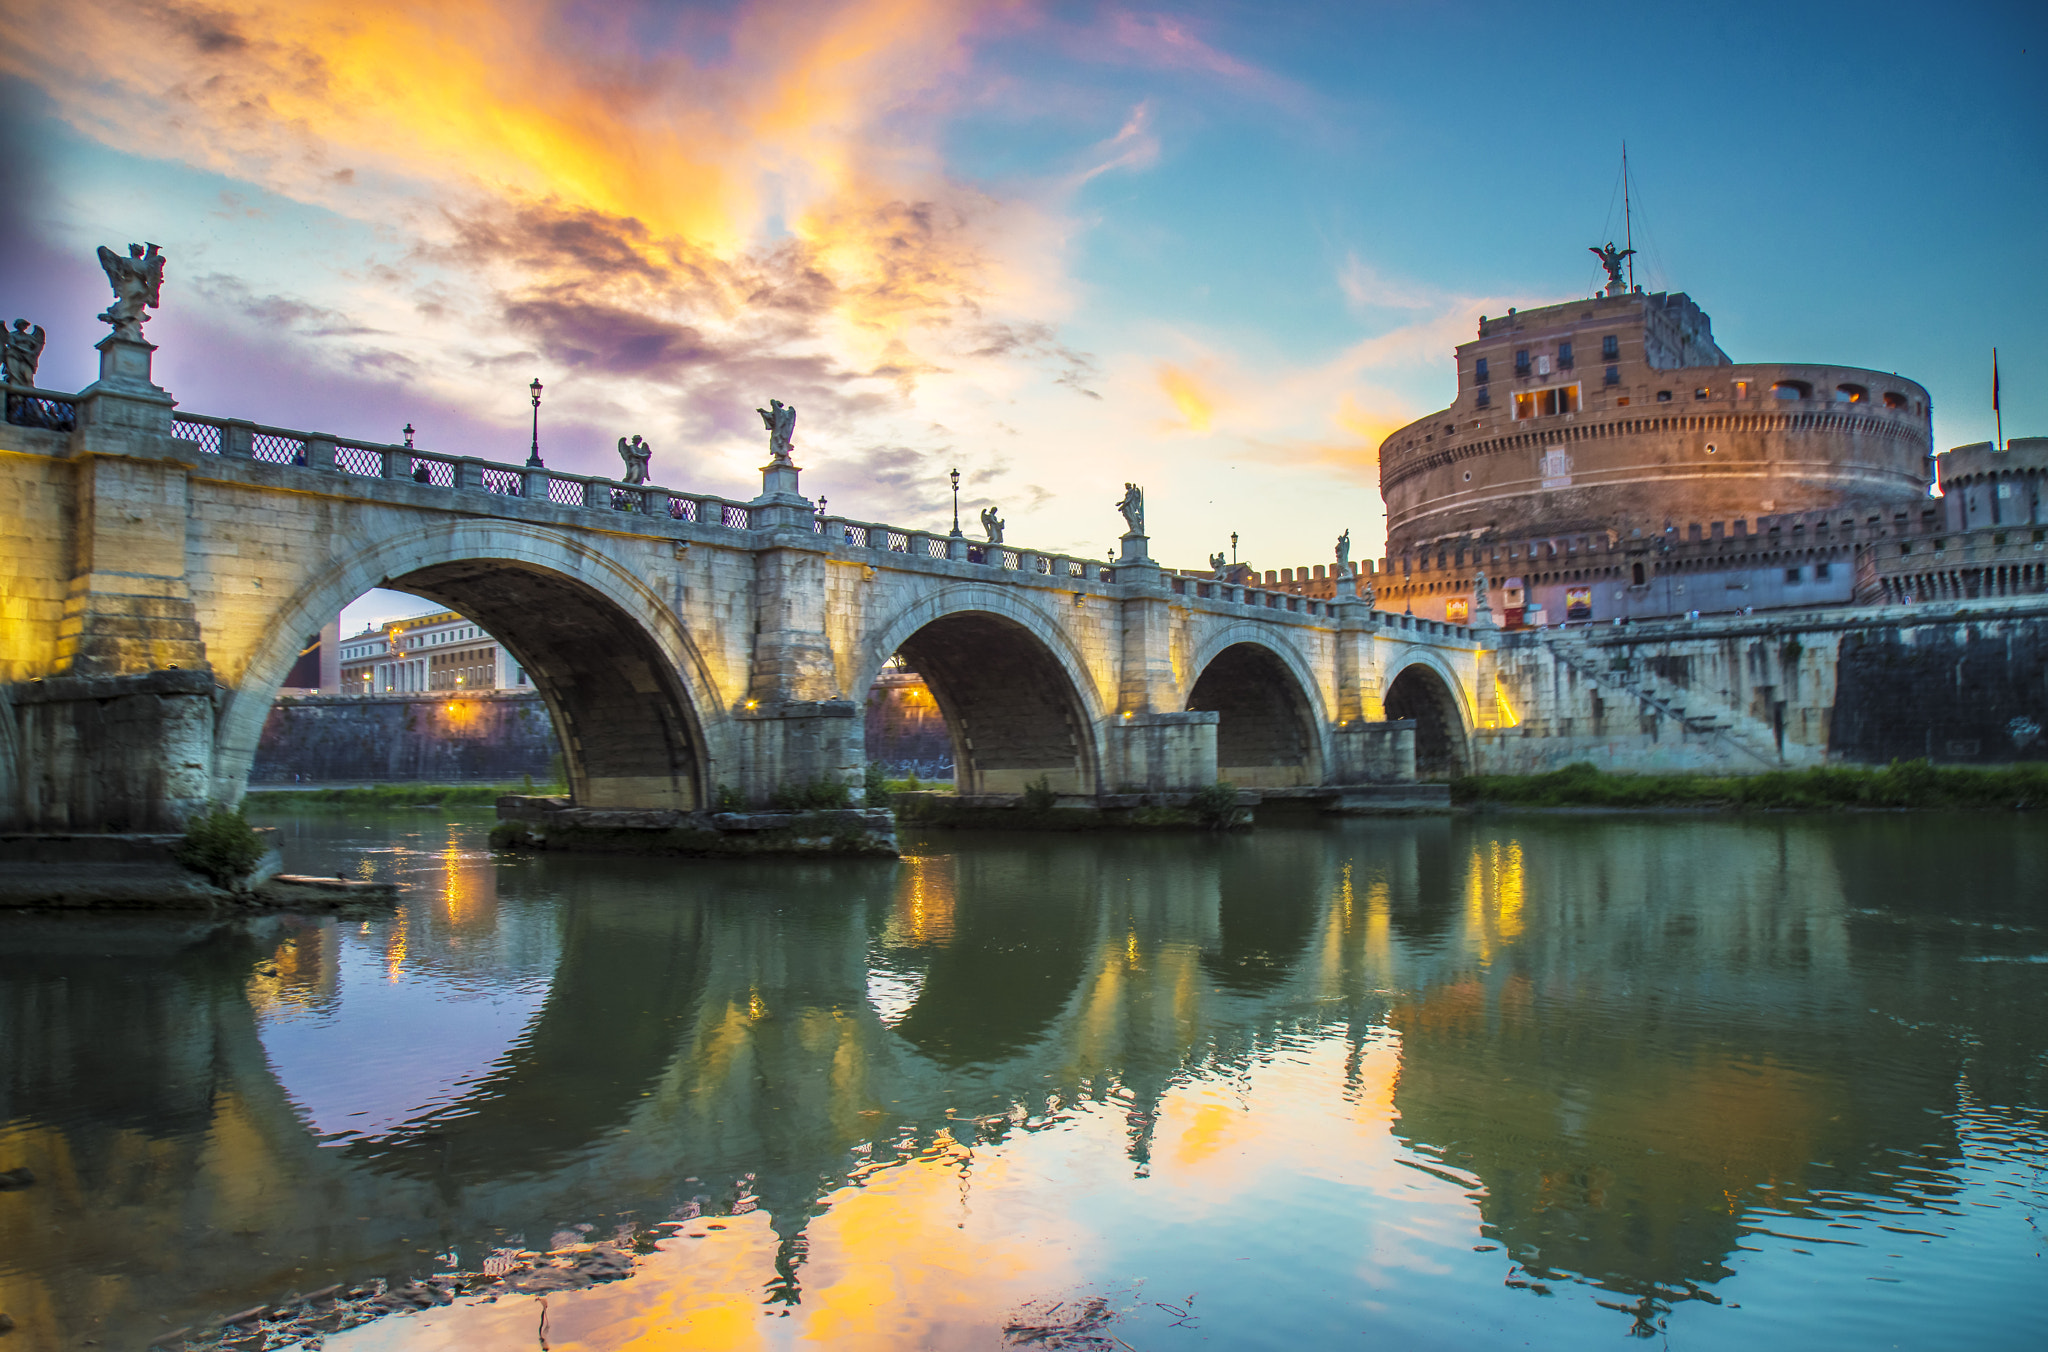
(1060, 246)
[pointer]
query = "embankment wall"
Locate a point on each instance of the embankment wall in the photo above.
(400, 738)
(1959, 684)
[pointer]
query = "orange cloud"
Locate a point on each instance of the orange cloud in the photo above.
(1191, 396)
(322, 99)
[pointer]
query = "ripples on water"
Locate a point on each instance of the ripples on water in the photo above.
(1491, 1081)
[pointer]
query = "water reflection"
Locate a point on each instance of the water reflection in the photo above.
(1450, 1064)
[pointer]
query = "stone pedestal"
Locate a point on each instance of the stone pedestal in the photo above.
(124, 411)
(956, 547)
(781, 506)
(1135, 547)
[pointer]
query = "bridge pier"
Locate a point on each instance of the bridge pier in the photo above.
(1172, 752)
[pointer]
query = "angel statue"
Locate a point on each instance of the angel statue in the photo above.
(993, 524)
(1133, 508)
(1610, 258)
(636, 454)
(137, 280)
(1479, 591)
(1344, 553)
(780, 420)
(1218, 566)
(24, 350)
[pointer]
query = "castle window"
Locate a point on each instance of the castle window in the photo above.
(1610, 348)
(1663, 396)
(1700, 393)
(1792, 389)
(1564, 356)
(1893, 399)
(1613, 376)
(1821, 571)
(1479, 375)
(1792, 574)
(1485, 397)
(1742, 389)
(1522, 361)
(1636, 574)
(1547, 403)
(1851, 394)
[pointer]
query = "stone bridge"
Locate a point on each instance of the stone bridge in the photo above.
(165, 567)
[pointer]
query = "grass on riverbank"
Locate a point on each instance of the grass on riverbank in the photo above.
(395, 795)
(1902, 784)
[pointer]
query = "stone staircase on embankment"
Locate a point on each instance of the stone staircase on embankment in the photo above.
(1749, 741)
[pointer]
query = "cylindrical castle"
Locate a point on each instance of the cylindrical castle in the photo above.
(1622, 414)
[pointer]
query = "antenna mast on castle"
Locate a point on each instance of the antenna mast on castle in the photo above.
(1627, 219)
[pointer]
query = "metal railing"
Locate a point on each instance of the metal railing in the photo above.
(232, 439)
(47, 409)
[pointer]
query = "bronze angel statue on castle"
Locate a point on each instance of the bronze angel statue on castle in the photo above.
(1611, 258)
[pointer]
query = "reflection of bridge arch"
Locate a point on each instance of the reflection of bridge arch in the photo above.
(1271, 729)
(616, 1008)
(1015, 691)
(621, 679)
(1424, 690)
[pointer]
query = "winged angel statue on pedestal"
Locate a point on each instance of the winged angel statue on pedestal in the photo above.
(138, 281)
(780, 420)
(636, 453)
(1133, 508)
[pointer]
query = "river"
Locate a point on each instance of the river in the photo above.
(1494, 1081)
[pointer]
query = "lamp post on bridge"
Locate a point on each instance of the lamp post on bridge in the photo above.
(533, 460)
(1233, 549)
(956, 501)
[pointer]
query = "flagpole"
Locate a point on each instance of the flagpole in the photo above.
(1996, 411)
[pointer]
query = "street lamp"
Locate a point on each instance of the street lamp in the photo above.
(1233, 549)
(533, 456)
(408, 436)
(956, 502)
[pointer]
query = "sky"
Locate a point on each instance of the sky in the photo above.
(1219, 250)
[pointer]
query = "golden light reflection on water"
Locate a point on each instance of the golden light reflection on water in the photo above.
(925, 898)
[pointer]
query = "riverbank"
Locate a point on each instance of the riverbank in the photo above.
(393, 795)
(1902, 784)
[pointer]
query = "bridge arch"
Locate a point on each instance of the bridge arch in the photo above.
(1015, 690)
(1272, 730)
(1423, 689)
(621, 678)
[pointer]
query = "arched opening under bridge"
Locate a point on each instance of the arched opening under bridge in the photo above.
(1420, 693)
(1009, 705)
(1263, 734)
(617, 704)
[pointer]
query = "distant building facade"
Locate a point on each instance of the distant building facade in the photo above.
(443, 651)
